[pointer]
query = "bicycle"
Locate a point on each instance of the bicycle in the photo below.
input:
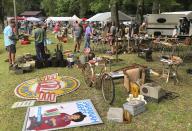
(96, 75)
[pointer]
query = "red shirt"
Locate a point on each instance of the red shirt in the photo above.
(51, 122)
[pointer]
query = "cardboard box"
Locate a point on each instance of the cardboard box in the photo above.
(115, 114)
(134, 107)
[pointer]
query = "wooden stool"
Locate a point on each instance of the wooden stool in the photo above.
(171, 68)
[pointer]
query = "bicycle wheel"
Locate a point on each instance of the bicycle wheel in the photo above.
(88, 74)
(99, 71)
(108, 88)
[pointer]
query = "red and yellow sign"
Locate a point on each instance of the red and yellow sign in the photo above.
(48, 86)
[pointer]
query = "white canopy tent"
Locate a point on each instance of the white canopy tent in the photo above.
(33, 19)
(59, 19)
(75, 18)
(96, 17)
(106, 16)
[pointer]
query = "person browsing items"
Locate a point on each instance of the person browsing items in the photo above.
(77, 33)
(10, 42)
(88, 34)
(39, 35)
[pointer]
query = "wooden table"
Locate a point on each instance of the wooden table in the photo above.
(171, 68)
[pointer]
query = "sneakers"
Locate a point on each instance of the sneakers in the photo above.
(11, 67)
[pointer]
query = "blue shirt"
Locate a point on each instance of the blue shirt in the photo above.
(88, 31)
(7, 33)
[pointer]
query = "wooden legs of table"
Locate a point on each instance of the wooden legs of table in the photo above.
(168, 75)
(171, 72)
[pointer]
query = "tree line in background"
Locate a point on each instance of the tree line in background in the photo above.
(86, 8)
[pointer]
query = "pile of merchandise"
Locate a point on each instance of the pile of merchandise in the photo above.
(24, 64)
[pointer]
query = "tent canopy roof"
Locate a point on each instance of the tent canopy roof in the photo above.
(106, 16)
(75, 18)
(33, 19)
(56, 19)
(30, 13)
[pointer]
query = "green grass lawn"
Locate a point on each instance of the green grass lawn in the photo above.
(168, 115)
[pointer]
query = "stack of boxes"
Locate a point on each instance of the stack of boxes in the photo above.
(134, 107)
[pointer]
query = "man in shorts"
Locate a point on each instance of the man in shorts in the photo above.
(77, 33)
(10, 42)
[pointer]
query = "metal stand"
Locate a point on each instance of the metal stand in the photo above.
(171, 70)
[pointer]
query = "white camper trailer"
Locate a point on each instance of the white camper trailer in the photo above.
(166, 22)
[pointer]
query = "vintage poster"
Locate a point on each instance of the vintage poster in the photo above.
(47, 88)
(61, 115)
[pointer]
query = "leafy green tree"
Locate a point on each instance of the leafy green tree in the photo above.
(84, 7)
(99, 5)
(129, 6)
(186, 4)
(87, 7)
(49, 6)
(62, 7)
(31, 4)
(67, 7)
(114, 12)
(156, 5)
(169, 5)
(74, 8)
(139, 13)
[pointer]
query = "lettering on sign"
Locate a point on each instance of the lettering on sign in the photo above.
(46, 96)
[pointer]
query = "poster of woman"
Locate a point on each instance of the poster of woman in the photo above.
(61, 115)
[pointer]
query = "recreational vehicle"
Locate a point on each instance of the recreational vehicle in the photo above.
(165, 23)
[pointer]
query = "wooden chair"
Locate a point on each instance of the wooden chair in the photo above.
(134, 77)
